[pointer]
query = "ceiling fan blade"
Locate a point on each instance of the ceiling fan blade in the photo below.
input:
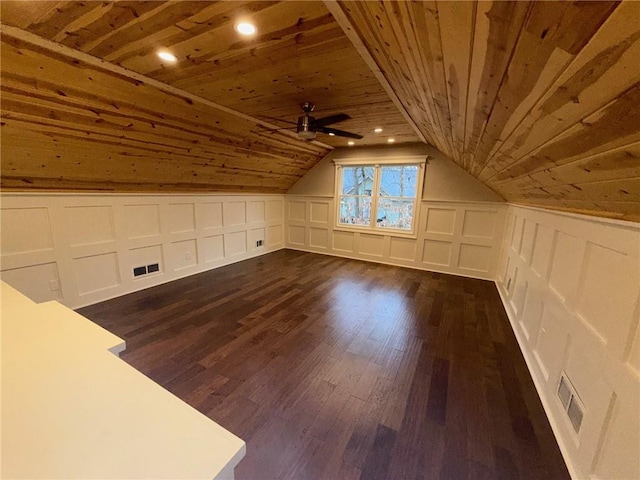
(339, 133)
(321, 122)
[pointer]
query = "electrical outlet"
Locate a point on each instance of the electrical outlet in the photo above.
(259, 243)
(54, 284)
(187, 256)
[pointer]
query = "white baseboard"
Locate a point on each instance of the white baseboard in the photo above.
(573, 470)
(409, 265)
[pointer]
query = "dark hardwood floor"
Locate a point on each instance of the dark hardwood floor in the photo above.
(339, 369)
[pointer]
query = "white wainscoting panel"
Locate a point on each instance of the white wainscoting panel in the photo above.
(296, 235)
(234, 213)
(210, 215)
(436, 252)
(30, 232)
(90, 225)
(319, 238)
(212, 248)
(402, 248)
(183, 254)
(453, 237)
(371, 245)
(82, 248)
(255, 212)
(441, 220)
(142, 220)
(181, 217)
(297, 210)
(571, 286)
(35, 281)
(97, 273)
(275, 235)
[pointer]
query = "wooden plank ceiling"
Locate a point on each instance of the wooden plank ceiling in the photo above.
(539, 100)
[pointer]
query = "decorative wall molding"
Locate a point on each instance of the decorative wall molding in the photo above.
(570, 285)
(453, 237)
(81, 249)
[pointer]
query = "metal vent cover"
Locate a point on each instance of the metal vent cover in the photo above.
(570, 401)
(564, 392)
(575, 413)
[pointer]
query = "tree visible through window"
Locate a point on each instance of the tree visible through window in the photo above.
(357, 189)
(379, 197)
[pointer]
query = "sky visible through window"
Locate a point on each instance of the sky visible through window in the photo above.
(396, 193)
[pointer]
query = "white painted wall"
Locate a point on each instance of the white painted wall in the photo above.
(570, 285)
(81, 249)
(444, 180)
(453, 237)
(460, 223)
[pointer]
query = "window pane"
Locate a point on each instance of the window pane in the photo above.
(355, 210)
(357, 180)
(395, 213)
(399, 181)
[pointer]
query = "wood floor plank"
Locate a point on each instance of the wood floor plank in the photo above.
(331, 368)
(379, 458)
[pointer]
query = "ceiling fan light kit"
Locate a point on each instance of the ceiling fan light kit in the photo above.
(308, 126)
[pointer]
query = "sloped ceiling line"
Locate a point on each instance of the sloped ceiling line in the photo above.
(345, 24)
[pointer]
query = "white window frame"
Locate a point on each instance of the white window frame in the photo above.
(376, 164)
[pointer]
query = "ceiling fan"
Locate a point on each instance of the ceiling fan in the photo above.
(307, 126)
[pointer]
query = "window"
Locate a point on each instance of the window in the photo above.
(380, 197)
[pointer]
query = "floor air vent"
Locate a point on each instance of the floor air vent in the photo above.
(570, 401)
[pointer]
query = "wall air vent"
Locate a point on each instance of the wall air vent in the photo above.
(564, 392)
(575, 413)
(570, 401)
(137, 271)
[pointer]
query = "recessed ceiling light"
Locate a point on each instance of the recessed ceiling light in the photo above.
(331, 134)
(391, 140)
(245, 28)
(351, 143)
(169, 57)
(378, 130)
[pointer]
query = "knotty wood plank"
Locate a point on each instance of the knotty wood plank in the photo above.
(498, 26)
(298, 54)
(511, 91)
(600, 72)
(617, 124)
(457, 20)
(106, 132)
(553, 34)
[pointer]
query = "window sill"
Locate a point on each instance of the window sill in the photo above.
(385, 233)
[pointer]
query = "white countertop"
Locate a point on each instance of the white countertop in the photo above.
(72, 409)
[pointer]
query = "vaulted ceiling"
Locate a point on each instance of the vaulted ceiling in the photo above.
(539, 100)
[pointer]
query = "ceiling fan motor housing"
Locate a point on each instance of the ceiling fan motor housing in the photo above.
(304, 129)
